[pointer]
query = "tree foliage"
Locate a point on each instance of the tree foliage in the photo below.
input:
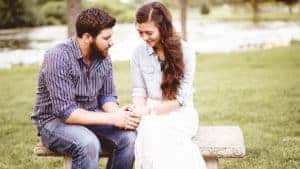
(17, 13)
(289, 3)
(54, 12)
(25, 13)
(123, 12)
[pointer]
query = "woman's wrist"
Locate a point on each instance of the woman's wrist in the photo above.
(152, 105)
(142, 109)
(150, 108)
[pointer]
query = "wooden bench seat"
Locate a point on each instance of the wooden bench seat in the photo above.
(214, 142)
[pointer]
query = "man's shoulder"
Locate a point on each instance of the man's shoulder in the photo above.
(66, 46)
(60, 51)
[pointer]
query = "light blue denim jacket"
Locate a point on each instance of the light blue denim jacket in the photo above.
(146, 74)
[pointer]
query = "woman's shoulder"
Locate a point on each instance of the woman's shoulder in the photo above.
(187, 49)
(186, 46)
(142, 50)
(141, 47)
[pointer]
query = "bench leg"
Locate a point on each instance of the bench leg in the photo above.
(211, 162)
(67, 162)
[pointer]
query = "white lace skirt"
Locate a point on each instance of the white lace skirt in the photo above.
(164, 141)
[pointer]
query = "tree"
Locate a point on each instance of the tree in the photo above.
(74, 8)
(183, 17)
(254, 4)
(17, 13)
(290, 4)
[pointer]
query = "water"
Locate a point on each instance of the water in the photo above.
(27, 46)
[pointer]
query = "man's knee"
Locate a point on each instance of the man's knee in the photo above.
(87, 147)
(127, 139)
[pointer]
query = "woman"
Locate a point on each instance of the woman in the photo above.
(162, 76)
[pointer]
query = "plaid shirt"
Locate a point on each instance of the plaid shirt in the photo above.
(65, 83)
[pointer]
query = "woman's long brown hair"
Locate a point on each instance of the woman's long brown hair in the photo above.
(173, 66)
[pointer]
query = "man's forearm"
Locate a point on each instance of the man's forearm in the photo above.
(110, 107)
(84, 117)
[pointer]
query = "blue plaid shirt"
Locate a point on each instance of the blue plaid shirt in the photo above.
(65, 83)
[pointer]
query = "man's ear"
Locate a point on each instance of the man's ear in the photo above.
(87, 38)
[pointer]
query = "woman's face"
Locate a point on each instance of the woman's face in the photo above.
(149, 33)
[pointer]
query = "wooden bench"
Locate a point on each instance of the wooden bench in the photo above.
(214, 142)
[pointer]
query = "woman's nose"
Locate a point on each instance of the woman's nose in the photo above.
(110, 43)
(145, 37)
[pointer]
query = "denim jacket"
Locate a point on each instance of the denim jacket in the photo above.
(146, 74)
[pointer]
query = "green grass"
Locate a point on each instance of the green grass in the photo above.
(260, 92)
(257, 90)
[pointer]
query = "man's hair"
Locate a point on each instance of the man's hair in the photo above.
(93, 21)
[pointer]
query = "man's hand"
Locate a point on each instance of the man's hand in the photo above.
(126, 107)
(126, 119)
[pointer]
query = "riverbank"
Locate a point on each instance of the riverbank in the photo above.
(258, 90)
(27, 46)
(240, 12)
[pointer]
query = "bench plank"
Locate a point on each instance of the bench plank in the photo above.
(220, 141)
(41, 150)
(214, 142)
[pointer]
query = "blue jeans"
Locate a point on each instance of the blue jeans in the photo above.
(84, 144)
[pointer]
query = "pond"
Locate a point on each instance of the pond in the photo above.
(27, 46)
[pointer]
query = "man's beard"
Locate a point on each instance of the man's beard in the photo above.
(96, 52)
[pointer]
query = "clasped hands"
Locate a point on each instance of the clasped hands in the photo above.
(129, 116)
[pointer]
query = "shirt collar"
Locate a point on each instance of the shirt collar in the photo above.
(150, 50)
(78, 54)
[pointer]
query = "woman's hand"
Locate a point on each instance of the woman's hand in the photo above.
(142, 110)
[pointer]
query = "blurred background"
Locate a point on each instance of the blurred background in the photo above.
(29, 27)
(247, 73)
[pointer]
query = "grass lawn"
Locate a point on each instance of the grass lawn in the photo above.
(257, 90)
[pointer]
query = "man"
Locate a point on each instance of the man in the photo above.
(75, 83)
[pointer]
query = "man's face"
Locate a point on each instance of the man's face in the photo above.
(102, 42)
(149, 33)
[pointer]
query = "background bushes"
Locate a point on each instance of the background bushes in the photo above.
(123, 12)
(54, 13)
(17, 13)
(21, 13)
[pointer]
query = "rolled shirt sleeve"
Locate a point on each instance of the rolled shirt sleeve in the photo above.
(105, 99)
(137, 81)
(60, 86)
(185, 92)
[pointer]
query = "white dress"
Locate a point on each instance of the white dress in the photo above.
(165, 141)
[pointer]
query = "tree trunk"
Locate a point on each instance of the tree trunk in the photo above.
(183, 17)
(254, 4)
(73, 10)
(290, 9)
